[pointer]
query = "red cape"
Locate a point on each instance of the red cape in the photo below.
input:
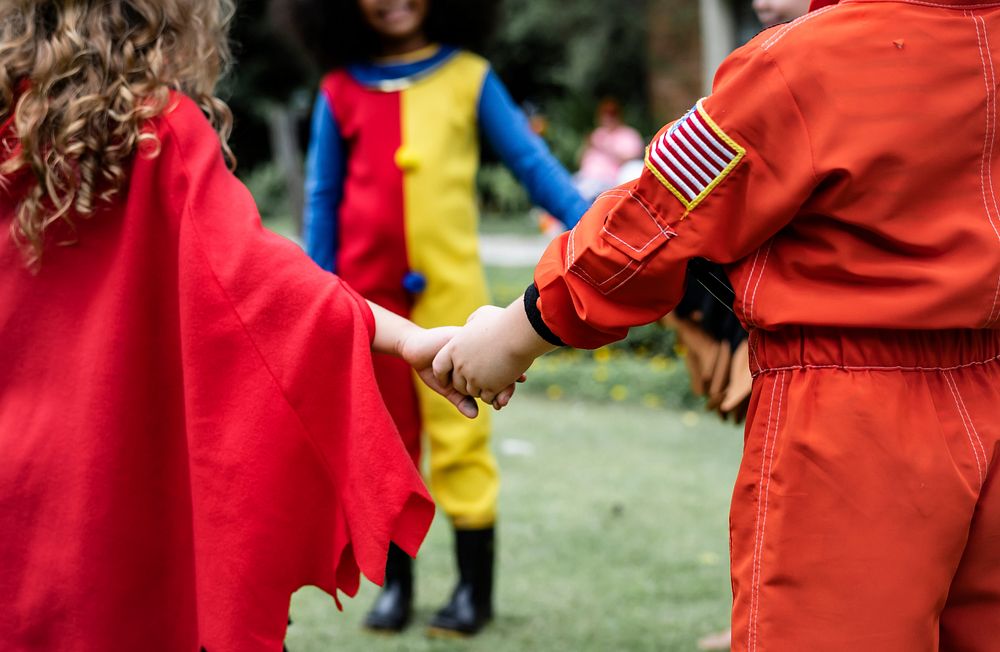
(189, 424)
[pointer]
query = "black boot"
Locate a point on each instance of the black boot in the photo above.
(471, 605)
(394, 605)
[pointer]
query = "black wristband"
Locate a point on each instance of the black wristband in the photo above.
(535, 317)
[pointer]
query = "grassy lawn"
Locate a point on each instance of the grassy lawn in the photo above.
(612, 537)
(645, 369)
(508, 224)
(614, 503)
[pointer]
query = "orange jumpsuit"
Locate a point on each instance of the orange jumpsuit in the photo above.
(843, 170)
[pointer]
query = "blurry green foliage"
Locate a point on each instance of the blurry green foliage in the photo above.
(560, 56)
(500, 192)
(643, 368)
(609, 375)
(267, 185)
(560, 59)
(268, 71)
(566, 56)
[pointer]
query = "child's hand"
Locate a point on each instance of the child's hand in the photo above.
(490, 353)
(417, 346)
(418, 349)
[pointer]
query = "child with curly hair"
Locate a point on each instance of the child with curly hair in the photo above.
(189, 418)
(391, 208)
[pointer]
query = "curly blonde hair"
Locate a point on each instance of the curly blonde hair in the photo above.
(83, 78)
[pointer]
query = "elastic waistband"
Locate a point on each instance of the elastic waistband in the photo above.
(837, 348)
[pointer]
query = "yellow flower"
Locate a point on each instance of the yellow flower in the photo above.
(602, 355)
(708, 559)
(601, 374)
(619, 393)
(651, 400)
(554, 392)
(658, 363)
(690, 419)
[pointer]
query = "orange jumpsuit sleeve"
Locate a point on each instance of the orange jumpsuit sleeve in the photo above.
(717, 184)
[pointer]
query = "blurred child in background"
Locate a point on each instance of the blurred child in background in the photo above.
(772, 12)
(608, 148)
(189, 418)
(391, 208)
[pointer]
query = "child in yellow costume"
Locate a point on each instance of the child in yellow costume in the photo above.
(391, 208)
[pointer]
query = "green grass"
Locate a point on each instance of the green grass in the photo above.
(614, 375)
(613, 529)
(521, 223)
(643, 369)
(507, 283)
(612, 537)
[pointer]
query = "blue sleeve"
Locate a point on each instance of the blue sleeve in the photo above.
(325, 168)
(523, 151)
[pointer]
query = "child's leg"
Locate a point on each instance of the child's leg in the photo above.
(857, 489)
(465, 483)
(971, 618)
(392, 609)
(463, 472)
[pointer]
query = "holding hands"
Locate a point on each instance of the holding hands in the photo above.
(483, 359)
(418, 346)
(418, 349)
(400, 337)
(490, 354)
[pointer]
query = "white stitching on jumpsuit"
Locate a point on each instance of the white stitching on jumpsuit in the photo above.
(762, 492)
(985, 5)
(989, 137)
(963, 412)
(975, 453)
(996, 208)
(760, 275)
(847, 367)
(746, 288)
(769, 43)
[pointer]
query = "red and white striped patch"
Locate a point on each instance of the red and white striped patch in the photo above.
(693, 157)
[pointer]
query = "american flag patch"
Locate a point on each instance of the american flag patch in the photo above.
(693, 157)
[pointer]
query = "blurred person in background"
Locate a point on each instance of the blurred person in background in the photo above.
(772, 12)
(391, 208)
(608, 148)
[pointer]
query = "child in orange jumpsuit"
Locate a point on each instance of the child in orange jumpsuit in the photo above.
(842, 169)
(190, 423)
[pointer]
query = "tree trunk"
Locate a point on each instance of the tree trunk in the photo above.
(288, 155)
(674, 57)
(718, 36)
